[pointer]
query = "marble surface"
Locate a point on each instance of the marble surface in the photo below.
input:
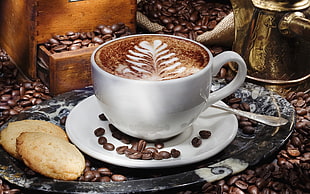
(244, 151)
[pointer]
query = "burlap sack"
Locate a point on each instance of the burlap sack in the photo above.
(222, 34)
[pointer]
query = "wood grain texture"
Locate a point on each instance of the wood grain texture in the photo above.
(26, 24)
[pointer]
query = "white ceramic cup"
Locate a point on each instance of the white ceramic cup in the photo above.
(154, 110)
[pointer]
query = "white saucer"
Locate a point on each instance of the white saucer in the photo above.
(83, 120)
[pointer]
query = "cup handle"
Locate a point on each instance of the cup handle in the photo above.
(218, 62)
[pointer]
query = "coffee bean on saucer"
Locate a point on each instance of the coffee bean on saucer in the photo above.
(165, 154)
(102, 117)
(136, 155)
(121, 149)
(175, 153)
(159, 145)
(141, 145)
(196, 142)
(204, 134)
(108, 146)
(151, 150)
(102, 140)
(147, 156)
(157, 156)
(99, 131)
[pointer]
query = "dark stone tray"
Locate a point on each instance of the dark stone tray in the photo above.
(243, 152)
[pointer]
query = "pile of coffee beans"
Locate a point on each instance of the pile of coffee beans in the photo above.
(288, 173)
(76, 40)
(245, 124)
(100, 174)
(17, 96)
(133, 148)
(186, 18)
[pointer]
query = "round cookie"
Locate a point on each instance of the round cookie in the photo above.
(50, 156)
(14, 129)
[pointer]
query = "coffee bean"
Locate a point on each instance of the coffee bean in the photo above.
(245, 106)
(141, 145)
(159, 145)
(74, 47)
(59, 48)
(129, 151)
(204, 134)
(108, 146)
(157, 156)
(253, 189)
(102, 117)
(121, 149)
(175, 153)
(102, 140)
(147, 156)
(196, 141)
(151, 149)
(89, 175)
(241, 184)
(136, 155)
(293, 152)
(248, 130)
(99, 131)
(232, 180)
(234, 100)
(118, 177)
(104, 171)
(165, 154)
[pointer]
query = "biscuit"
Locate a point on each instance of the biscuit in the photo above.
(50, 156)
(14, 129)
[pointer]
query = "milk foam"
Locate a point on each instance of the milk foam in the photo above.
(152, 58)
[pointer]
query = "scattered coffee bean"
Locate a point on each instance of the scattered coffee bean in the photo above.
(175, 153)
(102, 140)
(196, 142)
(118, 177)
(135, 155)
(159, 145)
(141, 145)
(121, 149)
(205, 134)
(165, 154)
(157, 156)
(108, 146)
(99, 131)
(102, 117)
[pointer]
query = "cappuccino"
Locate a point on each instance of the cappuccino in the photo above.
(151, 57)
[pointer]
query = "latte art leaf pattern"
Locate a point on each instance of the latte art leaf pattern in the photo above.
(152, 61)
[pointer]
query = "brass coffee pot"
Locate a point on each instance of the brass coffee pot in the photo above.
(273, 36)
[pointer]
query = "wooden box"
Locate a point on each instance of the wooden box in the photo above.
(64, 71)
(26, 23)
